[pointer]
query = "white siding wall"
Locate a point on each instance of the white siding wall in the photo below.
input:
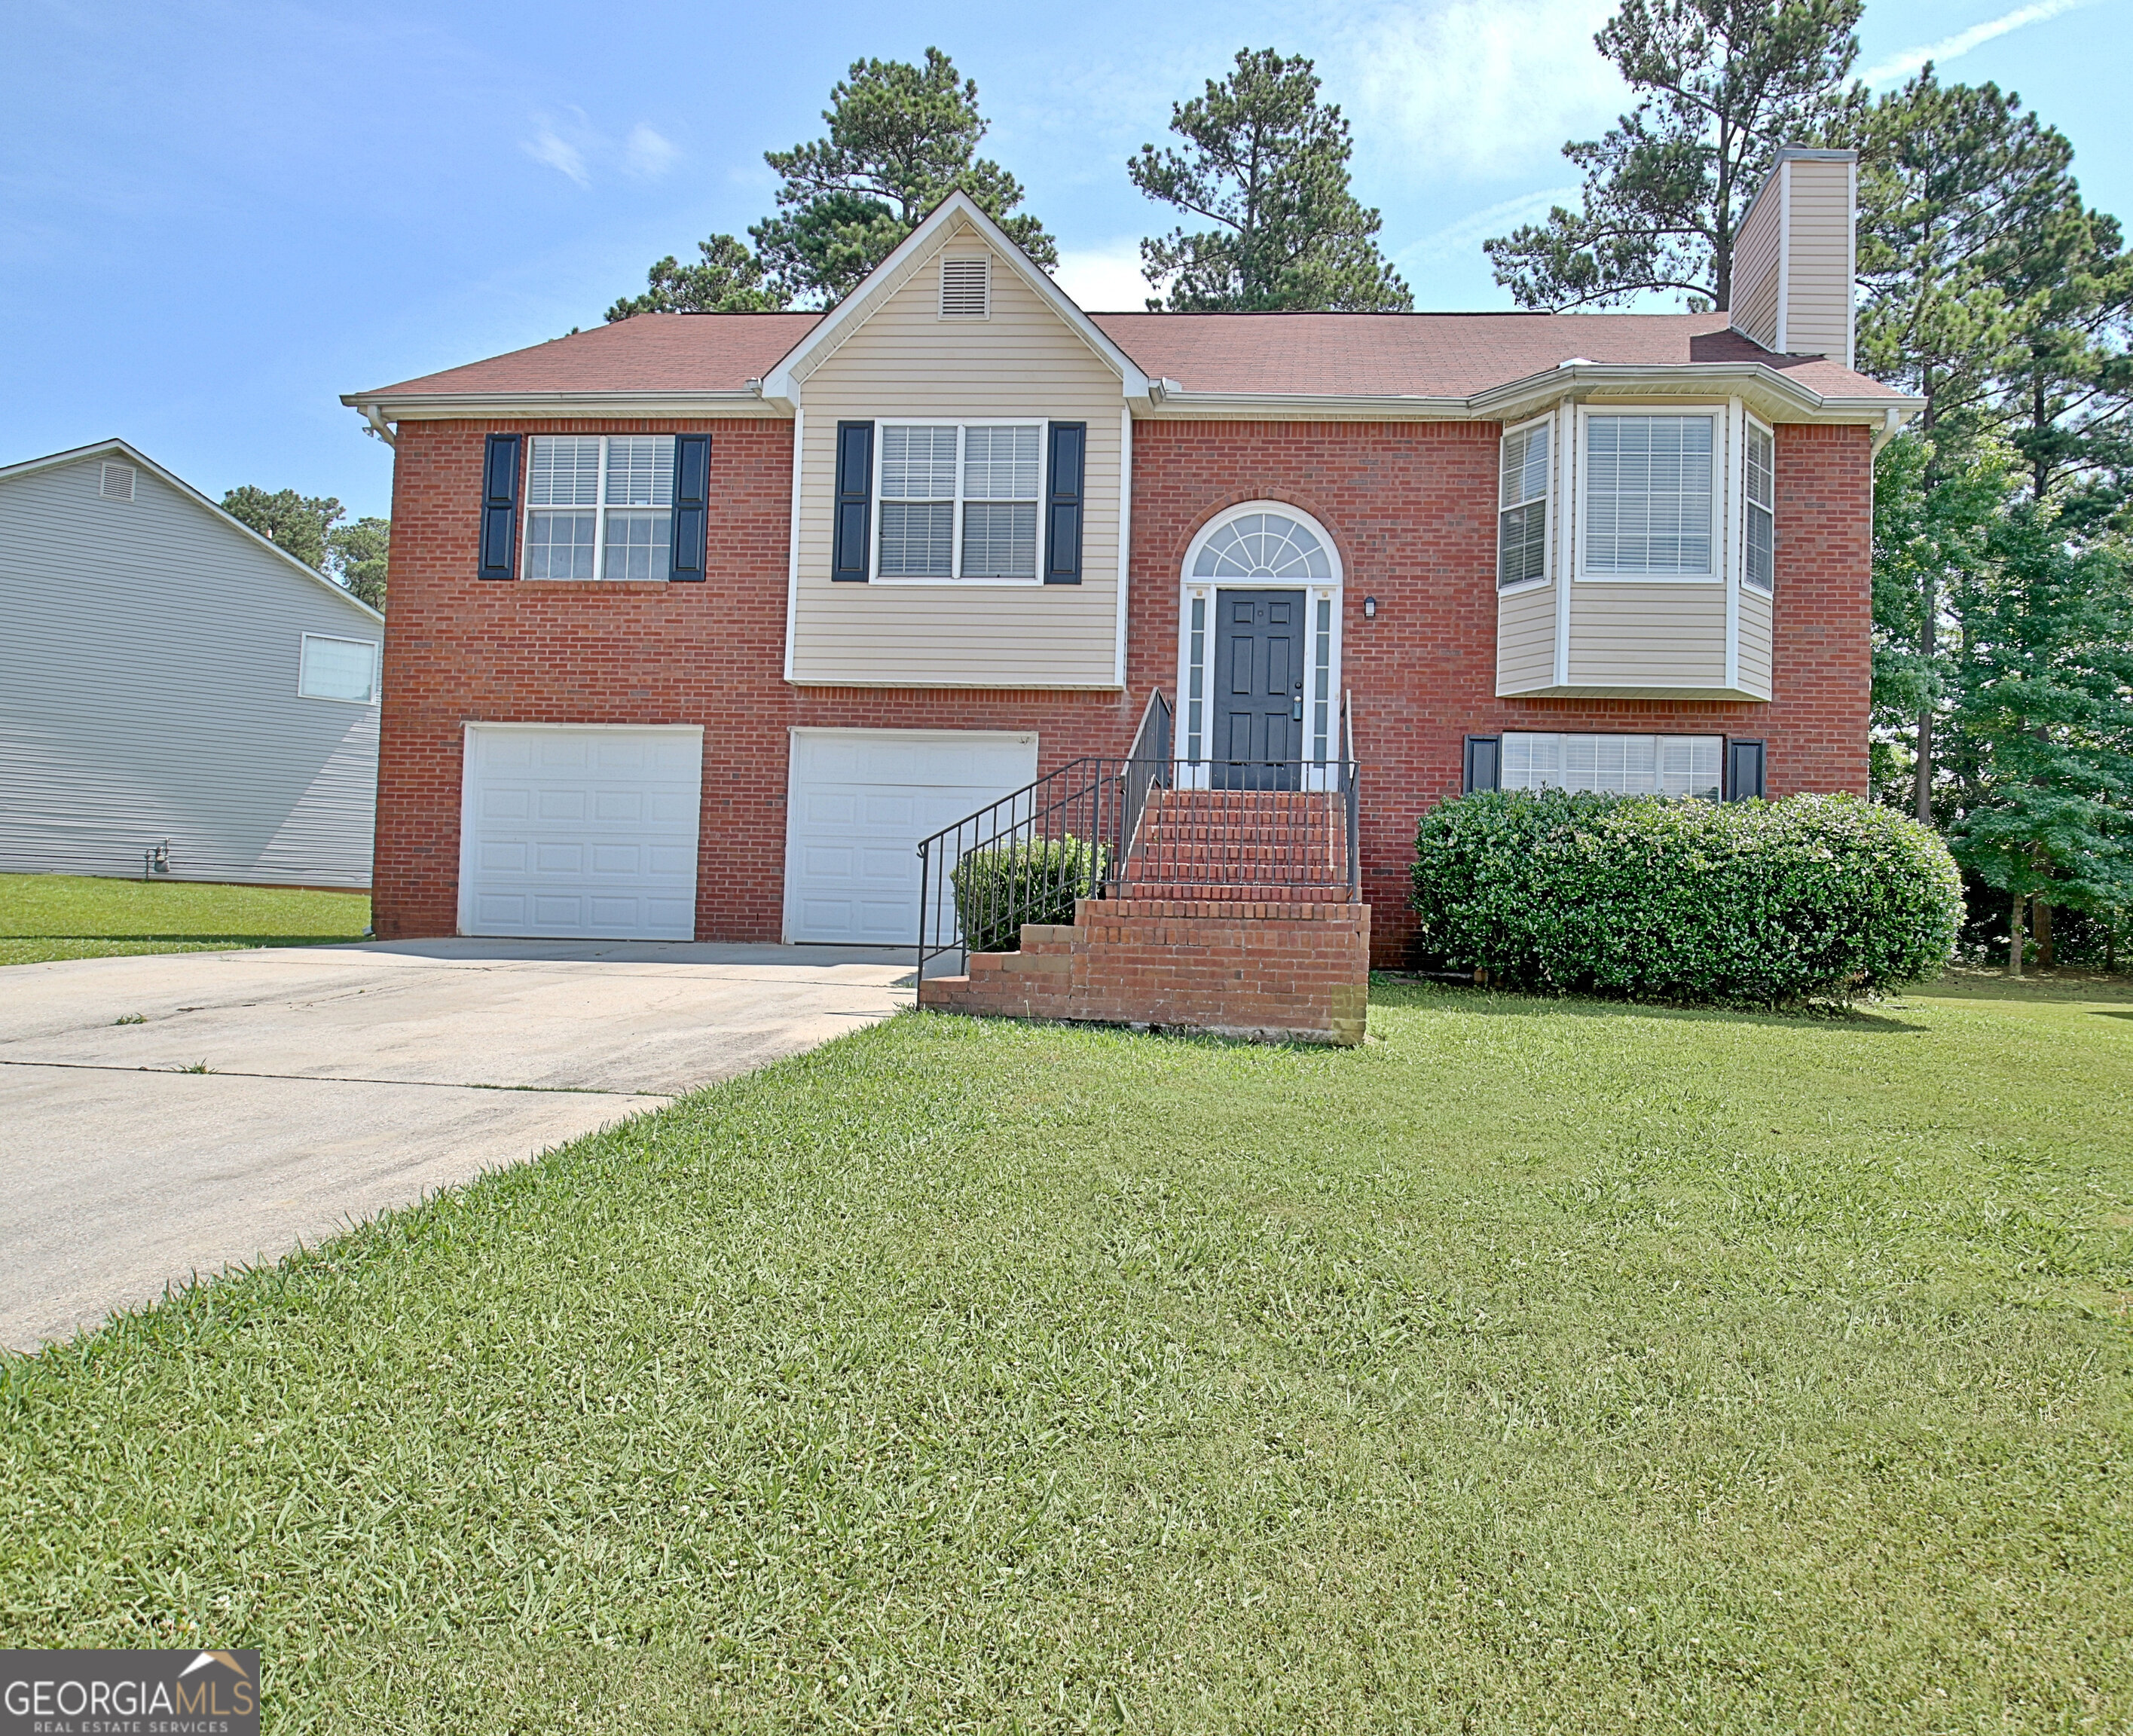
(148, 691)
(905, 361)
(1818, 261)
(1525, 639)
(1756, 270)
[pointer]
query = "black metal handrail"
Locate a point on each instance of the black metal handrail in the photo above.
(1084, 830)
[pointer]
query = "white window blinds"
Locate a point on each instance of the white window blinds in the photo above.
(1628, 765)
(1761, 572)
(1648, 495)
(1522, 508)
(600, 506)
(960, 501)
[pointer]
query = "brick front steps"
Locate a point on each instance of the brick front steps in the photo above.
(1294, 972)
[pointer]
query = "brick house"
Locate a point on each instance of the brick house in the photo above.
(700, 622)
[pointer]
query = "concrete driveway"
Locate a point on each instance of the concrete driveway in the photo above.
(342, 1080)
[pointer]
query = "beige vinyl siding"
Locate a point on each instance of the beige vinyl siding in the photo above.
(1818, 270)
(1634, 635)
(1756, 270)
(1022, 362)
(1525, 639)
(148, 691)
(1755, 627)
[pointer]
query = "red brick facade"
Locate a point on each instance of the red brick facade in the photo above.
(1288, 972)
(1411, 506)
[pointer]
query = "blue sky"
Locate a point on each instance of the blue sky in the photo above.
(215, 218)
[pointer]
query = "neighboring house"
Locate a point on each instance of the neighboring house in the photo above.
(700, 621)
(169, 676)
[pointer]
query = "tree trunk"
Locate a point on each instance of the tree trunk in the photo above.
(2014, 903)
(2040, 925)
(1927, 647)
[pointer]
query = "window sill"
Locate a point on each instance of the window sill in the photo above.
(601, 584)
(915, 584)
(1522, 587)
(1651, 578)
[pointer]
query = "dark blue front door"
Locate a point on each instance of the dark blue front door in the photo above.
(1259, 689)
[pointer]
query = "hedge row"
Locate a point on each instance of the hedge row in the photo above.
(1761, 904)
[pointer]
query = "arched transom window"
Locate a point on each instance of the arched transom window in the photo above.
(1262, 546)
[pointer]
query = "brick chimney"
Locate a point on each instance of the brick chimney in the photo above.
(1794, 252)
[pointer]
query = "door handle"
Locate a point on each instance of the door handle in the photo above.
(1296, 714)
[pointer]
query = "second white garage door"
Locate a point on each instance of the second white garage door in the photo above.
(580, 833)
(860, 802)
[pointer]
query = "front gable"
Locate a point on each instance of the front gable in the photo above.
(957, 332)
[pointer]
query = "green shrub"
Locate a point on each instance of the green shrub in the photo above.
(1761, 904)
(1032, 880)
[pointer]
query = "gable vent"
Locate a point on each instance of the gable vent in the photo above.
(117, 482)
(966, 288)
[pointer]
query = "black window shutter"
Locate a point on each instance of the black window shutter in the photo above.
(1744, 770)
(1483, 760)
(1062, 504)
(848, 556)
(499, 506)
(692, 505)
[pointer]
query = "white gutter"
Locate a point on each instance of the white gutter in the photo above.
(486, 405)
(1497, 404)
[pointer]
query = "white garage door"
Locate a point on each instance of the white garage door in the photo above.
(581, 833)
(860, 801)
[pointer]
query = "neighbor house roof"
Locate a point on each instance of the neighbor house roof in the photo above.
(1446, 358)
(133, 455)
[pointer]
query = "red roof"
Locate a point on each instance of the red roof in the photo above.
(1433, 354)
(1367, 354)
(713, 352)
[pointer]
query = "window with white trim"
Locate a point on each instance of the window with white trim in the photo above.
(1760, 571)
(600, 506)
(958, 500)
(1628, 765)
(1649, 496)
(337, 668)
(1522, 507)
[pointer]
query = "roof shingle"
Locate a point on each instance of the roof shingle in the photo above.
(1358, 354)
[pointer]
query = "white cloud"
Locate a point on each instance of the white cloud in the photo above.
(647, 153)
(1105, 279)
(1471, 230)
(1901, 65)
(559, 154)
(1480, 88)
(574, 147)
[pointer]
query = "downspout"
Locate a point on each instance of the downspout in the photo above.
(378, 425)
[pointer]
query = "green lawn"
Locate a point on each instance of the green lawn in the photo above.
(1539, 1366)
(47, 916)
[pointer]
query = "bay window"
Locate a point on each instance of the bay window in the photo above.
(1522, 507)
(1649, 496)
(1760, 571)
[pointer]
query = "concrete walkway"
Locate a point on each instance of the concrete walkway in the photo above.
(342, 1081)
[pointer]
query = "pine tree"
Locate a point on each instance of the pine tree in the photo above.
(2042, 709)
(1990, 291)
(1266, 163)
(729, 280)
(901, 139)
(1724, 83)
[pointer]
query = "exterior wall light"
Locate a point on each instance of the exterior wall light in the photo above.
(1370, 609)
